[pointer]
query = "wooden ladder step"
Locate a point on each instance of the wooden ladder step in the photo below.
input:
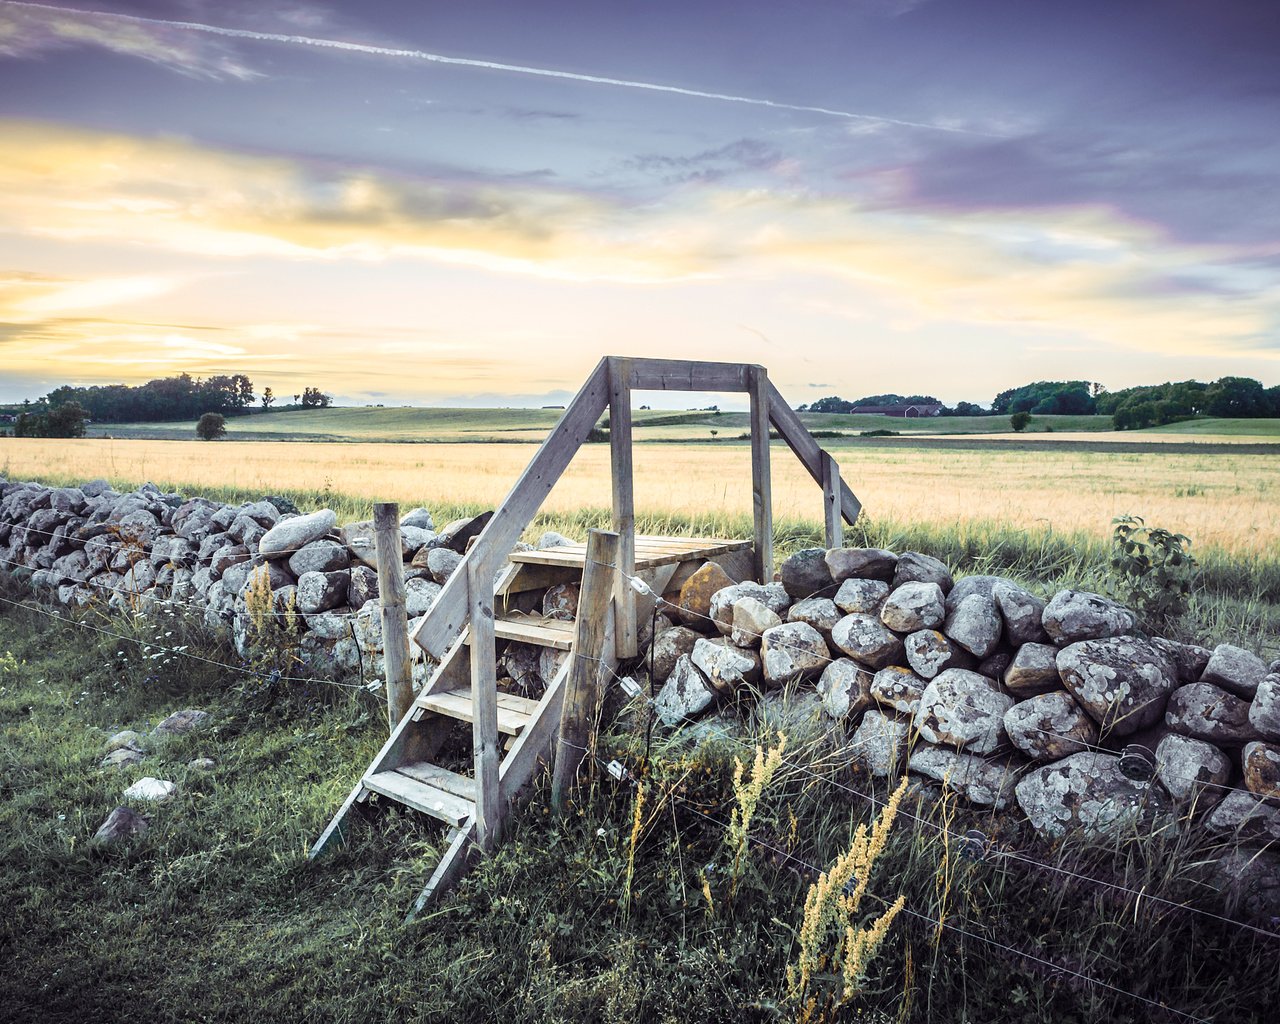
(514, 712)
(421, 796)
(535, 629)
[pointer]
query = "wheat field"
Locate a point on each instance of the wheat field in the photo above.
(1225, 501)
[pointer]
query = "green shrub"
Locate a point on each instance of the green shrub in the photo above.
(1151, 568)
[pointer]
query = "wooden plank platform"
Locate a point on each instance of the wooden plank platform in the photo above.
(650, 552)
(438, 803)
(534, 629)
(441, 778)
(514, 712)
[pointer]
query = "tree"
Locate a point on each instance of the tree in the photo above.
(1019, 420)
(268, 397)
(66, 420)
(212, 426)
(315, 398)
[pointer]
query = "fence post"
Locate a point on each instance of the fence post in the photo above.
(831, 501)
(584, 685)
(395, 620)
(484, 700)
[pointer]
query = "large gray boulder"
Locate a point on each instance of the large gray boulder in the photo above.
(1246, 817)
(1123, 682)
(1050, 726)
(1264, 711)
(751, 617)
(320, 556)
(288, 535)
(979, 781)
(880, 743)
(898, 689)
(966, 586)
(912, 607)
(930, 652)
(862, 563)
(866, 640)
(686, 693)
(914, 567)
(974, 623)
(805, 573)
(725, 666)
(419, 596)
(1192, 769)
(1022, 612)
(1075, 615)
(321, 591)
(1189, 659)
(1208, 712)
(668, 647)
(1034, 669)
(772, 595)
(845, 689)
(861, 597)
(1088, 793)
(819, 612)
(793, 651)
(121, 824)
(964, 710)
(1235, 669)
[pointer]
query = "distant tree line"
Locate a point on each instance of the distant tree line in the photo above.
(168, 399)
(1132, 408)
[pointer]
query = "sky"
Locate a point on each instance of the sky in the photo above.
(426, 202)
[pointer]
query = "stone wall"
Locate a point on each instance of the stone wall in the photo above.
(1017, 702)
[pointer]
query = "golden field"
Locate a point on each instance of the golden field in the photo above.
(1225, 501)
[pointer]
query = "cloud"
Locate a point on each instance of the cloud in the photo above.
(1079, 272)
(712, 164)
(140, 26)
(35, 31)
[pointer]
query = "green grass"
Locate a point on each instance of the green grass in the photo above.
(528, 425)
(215, 915)
(1261, 428)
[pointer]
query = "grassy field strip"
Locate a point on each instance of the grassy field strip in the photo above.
(1219, 501)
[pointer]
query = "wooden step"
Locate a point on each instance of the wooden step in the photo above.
(534, 629)
(514, 712)
(421, 796)
(650, 551)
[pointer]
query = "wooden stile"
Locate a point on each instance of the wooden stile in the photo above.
(484, 697)
(624, 516)
(761, 485)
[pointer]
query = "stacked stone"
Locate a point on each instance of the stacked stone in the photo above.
(90, 545)
(1010, 699)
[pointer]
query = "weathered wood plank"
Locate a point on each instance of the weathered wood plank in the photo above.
(421, 797)
(395, 620)
(335, 833)
(512, 717)
(831, 501)
(448, 613)
(586, 674)
(761, 484)
(484, 702)
(458, 858)
(686, 375)
(624, 513)
(647, 557)
(534, 743)
(807, 450)
(441, 778)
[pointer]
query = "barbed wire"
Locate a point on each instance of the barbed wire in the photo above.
(937, 923)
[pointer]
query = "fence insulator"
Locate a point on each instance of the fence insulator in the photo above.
(975, 845)
(1137, 763)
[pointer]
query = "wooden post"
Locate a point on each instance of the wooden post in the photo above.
(831, 500)
(582, 695)
(761, 490)
(395, 620)
(624, 518)
(484, 701)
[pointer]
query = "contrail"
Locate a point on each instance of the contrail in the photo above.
(489, 65)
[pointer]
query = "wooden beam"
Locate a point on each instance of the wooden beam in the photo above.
(395, 620)
(458, 858)
(831, 500)
(761, 487)
(624, 514)
(687, 375)
(484, 702)
(448, 613)
(807, 450)
(586, 672)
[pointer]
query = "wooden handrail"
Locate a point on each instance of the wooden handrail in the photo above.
(448, 614)
(807, 450)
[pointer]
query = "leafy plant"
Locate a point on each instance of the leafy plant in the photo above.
(1151, 568)
(1019, 421)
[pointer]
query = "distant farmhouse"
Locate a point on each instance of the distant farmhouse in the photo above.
(905, 411)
